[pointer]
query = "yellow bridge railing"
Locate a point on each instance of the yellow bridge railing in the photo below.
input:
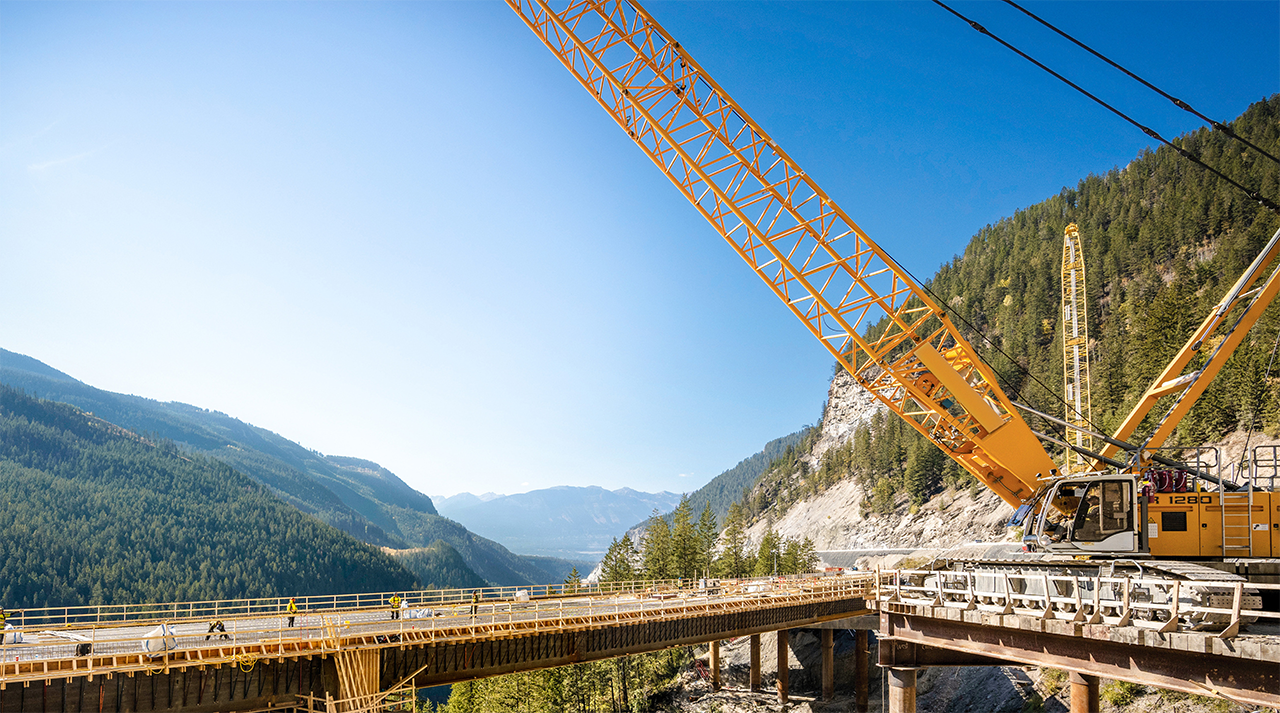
(156, 637)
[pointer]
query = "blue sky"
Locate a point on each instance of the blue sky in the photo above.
(401, 231)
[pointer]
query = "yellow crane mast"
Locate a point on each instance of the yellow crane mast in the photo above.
(1075, 349)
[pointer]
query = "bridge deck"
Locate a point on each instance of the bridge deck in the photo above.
(1148, 631)
(177, 635)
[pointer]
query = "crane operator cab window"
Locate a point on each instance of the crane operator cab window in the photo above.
(1096, 515)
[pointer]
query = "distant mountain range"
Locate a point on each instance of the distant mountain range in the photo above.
(461, 501)
(356, 496)
(570, 522)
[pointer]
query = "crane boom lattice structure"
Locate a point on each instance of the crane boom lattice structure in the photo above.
(860, 304)
(1075, 347)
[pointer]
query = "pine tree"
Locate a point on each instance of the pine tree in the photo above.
(707, 536)
(733, 554)
(685, 547)
(924, 470)
(657, 548)
(768, 554)
(619, 561)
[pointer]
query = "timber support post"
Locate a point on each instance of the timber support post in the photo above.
(358, 674)
(784, 665)
(862, 674)
(828, 664)
(755, 662)
(715, 665)
(1084, 693)
(902, 690)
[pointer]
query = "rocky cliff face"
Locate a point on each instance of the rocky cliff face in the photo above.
(848, 406)
(845, 534)
(836, 520)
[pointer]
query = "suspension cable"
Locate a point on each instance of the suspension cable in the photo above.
(1224, 128)
(1252, 194)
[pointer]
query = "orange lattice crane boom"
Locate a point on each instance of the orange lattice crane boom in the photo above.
(859, 303)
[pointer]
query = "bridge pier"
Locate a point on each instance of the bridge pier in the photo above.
(755, 662)
(715, 665)
(861, 672)
(828, 664)
(1084, 693)
(902, 690)
(784, 665)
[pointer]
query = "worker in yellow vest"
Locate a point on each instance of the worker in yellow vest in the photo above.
(292, 609)
(395, 607)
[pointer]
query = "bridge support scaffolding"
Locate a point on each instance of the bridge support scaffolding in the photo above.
(359, 678)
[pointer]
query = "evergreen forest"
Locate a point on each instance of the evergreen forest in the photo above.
(93, 514)
(1163, 239)
(439, 566)
(356, 496)
(684, 549)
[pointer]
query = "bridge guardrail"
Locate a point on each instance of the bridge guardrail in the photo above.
(213, 609)
(129, 641)
(1165, 605)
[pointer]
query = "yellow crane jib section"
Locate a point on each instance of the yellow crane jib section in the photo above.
(1190, 386)
(1075, 348)
(854, 298)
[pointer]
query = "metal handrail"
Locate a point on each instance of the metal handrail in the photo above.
(1126, 598)
(120, 644)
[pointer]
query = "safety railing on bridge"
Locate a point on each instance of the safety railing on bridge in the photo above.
(215, 609)
(157, 636)
(1166, 605)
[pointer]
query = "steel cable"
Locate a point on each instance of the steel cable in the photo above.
(1252, 194)
(1176, 101)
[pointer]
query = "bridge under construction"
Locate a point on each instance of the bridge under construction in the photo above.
(357, 653)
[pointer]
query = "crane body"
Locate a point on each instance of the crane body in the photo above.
(893, 337)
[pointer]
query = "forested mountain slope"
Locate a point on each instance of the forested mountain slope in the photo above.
(439, 565)
(1163, 241)
(91, 513)
(356, 496)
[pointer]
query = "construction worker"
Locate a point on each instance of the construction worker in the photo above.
(475, 602)
(395, 607)
(292, 609)
(217, 627)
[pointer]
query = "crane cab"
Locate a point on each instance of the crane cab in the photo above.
(1091, 515)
